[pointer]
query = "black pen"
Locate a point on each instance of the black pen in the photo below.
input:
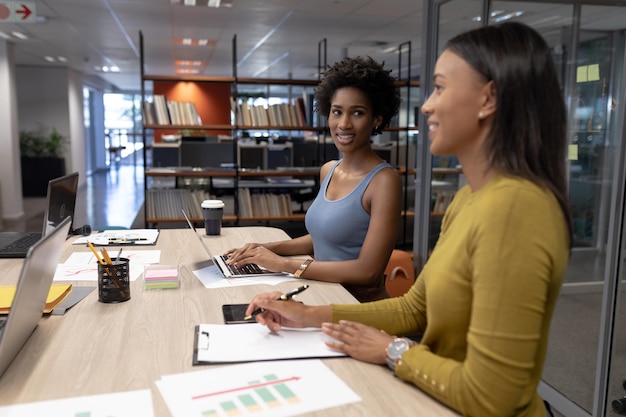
(286, 296)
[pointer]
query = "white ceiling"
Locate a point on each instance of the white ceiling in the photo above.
(274, 38)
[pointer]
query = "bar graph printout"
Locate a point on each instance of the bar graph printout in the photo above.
(258, 389)
(123, 404)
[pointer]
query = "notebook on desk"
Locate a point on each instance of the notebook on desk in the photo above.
(230, 271)
(31, 292)
(60, 203)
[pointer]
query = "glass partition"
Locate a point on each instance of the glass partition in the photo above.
(585, 369)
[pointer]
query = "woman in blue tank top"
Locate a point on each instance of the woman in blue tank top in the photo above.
(353, 222)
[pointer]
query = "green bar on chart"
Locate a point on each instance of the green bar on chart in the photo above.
(287, 394)
(210, 413)
(268, 397)
(230, 409)
(248, 401)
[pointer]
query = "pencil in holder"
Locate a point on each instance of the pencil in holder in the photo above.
(114, 282)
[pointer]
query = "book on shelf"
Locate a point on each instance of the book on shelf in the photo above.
(442, 199)
(148, 114)
(236, 113)
(264, 204)
(58, 292)
(301, 112)
(160, 110)
(277, 115)
(169, 203)
(165, 112)
(245, 114)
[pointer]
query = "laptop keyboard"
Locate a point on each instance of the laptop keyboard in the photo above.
(250, 269)
(22, 244)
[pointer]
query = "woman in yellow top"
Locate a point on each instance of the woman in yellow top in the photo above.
(484, 300)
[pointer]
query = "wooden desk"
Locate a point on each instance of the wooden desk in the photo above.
(98, 348)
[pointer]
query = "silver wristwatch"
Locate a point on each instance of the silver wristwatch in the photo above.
(396, 348)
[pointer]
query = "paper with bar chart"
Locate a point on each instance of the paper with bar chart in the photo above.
(272, 389)
(122, 404)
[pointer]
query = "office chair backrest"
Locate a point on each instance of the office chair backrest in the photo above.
(399, 273)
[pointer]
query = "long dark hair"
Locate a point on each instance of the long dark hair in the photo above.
(529, 134)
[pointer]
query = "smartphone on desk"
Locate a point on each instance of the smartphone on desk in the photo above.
(235, 313)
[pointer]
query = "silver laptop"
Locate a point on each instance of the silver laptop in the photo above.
(31, 293)
(61, 200)
(230, 271)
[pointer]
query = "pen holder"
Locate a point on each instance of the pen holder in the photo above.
(113, 282)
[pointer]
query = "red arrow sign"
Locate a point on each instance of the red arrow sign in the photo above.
(18, 11)
(25, 11)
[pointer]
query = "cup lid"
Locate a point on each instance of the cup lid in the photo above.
(212, 204)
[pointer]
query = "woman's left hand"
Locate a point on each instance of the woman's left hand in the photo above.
(359, 341)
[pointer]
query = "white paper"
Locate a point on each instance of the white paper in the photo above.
(254, 342)
(261, 389)
(82, 266)
(123, 404)
(120, 237)
(211, 277)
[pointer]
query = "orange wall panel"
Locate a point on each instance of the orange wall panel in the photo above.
(212, 100)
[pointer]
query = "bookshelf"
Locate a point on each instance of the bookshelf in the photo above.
(258, 139)
(224, 146)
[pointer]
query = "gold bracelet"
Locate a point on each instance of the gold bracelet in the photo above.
(302, 267)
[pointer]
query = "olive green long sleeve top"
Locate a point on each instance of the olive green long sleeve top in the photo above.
(483, 301)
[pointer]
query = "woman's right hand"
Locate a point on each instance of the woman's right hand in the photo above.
(255, 253)
(277, 314)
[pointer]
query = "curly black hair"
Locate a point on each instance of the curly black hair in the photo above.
(368, 76)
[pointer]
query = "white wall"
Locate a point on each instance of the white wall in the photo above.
(52, 97)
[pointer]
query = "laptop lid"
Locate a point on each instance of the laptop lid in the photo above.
(225, 269)
(61, 201)
(31, 292)
(193, 229)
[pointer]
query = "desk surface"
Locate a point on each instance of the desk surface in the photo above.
(98, 348)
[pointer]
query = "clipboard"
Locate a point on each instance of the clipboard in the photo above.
(232, 343)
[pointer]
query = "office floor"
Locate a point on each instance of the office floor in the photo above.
(111, 198)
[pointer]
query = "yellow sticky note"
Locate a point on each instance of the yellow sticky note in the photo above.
(581, 74)
(572, 153)
(593, 72)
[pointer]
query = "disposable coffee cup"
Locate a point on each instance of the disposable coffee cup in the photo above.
(213, 211)
(114, 282)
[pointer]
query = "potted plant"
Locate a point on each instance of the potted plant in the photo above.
(42, 159)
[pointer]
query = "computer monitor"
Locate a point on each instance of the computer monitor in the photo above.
(252, 156)
(205, 154)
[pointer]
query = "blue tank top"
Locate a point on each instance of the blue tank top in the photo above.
(338, 227)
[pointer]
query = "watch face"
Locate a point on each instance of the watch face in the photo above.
(397, 348)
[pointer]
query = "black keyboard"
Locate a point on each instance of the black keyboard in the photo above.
(22, 244)
(249, 269)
